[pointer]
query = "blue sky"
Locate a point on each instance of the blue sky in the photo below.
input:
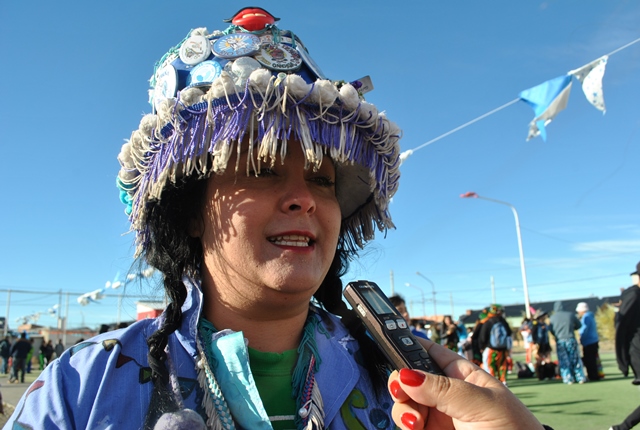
(74, 86)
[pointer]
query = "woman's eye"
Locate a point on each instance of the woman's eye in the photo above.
(323, 181)
(263, 173)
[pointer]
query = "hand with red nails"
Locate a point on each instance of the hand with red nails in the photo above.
(468, 398)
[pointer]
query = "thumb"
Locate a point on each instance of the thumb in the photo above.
(456, 398)
(479, 401)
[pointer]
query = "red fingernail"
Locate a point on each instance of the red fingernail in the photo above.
(409, 420)
(394, 387)
(411, 377)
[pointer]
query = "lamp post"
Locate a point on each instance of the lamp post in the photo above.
(433, 291)
(471, 194)
(421, 292)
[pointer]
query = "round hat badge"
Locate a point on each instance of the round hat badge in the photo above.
(195, 50)
(204, 73)
(236, 45)
(166, 84)
(279, 57)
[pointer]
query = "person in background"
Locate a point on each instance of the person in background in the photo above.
(59, 349)
(450, 337)
(41, 355)
(419, 326)
(629, 422)
(435, 332)
(541, 349)
(399, 303)
(527, 341)
(476, 350)
(563, 325)
(19, 351)
(5, 353)
(589, 341)
(628, 341)
(628, 329)
(30, 355)
(464, 341)
(495, 341)
(48, 352)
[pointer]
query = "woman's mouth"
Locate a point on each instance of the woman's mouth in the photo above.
(291, 240)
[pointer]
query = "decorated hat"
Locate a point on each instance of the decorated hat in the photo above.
(256, 83)
(495, 308)
(539, 314)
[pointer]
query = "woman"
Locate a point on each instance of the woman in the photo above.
(249, 189)
(541, 350)
(450, 336)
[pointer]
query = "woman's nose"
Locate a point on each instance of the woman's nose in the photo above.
(297, 197)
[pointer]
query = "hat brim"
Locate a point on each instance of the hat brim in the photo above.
(199, 138)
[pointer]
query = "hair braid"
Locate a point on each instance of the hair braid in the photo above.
(176, 254)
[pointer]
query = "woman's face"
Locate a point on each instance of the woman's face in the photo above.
(272, 236)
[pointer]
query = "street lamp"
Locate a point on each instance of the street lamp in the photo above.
(433, 291)
(421, 292)
(471, 194)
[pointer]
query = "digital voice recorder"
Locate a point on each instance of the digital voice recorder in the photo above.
(388, 328)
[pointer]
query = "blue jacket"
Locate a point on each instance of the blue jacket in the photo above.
(588, 330)
(103, 383)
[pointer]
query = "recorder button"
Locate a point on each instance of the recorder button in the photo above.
(425, 357)
(407, 341)
(401, 323)
(391, 324)
(415, 357)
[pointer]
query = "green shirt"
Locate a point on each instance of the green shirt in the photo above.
(272, 372)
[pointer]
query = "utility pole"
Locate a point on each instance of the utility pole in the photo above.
(6, 318)
(65, 322)
(433, 292)
(59, 312)
(493, 291)
(451, 301)
(391, 280)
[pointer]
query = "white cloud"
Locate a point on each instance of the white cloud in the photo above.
(613, 246)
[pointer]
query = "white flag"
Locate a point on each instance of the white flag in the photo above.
(590, 75)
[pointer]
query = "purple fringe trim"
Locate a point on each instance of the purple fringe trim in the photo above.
(196, 129)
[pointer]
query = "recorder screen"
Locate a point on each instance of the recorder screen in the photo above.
(378, 303)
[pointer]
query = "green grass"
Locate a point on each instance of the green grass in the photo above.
(591, 406)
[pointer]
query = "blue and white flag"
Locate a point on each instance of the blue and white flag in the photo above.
(590, 75)
(547, 100)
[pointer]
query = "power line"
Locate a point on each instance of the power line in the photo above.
(409, 152)
(113, 296)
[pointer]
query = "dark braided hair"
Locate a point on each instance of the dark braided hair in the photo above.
(175, 253)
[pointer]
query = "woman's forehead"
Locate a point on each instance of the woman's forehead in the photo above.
(285, 150)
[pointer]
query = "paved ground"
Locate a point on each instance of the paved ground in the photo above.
(11, 393)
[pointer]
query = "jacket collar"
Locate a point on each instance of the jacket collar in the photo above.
(338, 374)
